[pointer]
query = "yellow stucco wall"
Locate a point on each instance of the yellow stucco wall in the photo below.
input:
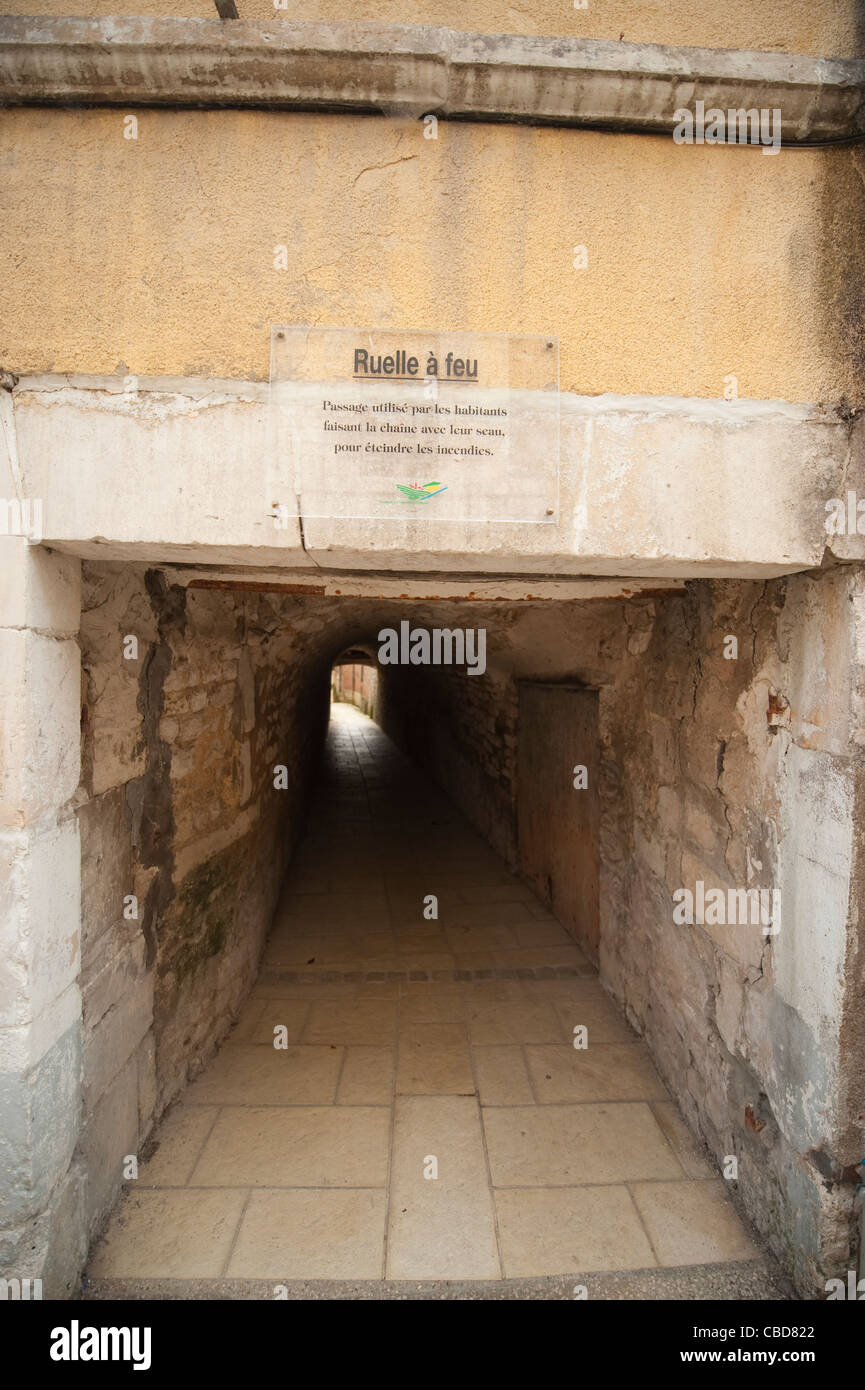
(156, 255)
(828, 28)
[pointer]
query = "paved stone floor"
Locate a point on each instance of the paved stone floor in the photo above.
(314, 1161)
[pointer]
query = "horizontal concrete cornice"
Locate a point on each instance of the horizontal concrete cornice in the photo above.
(650, 487)
(408, 70)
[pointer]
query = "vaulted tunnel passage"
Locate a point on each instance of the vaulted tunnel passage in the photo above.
(453, 887)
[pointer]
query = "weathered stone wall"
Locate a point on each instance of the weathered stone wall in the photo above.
(178, 808)
(746, 773)
(41, 1178)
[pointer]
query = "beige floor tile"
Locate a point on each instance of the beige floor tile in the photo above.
(502, 1076)
(409, 889)
(440, 1228)
(486, 914)
(373, 945)
(316, 962)
(368, 963)
(692, 1223)
(568, 1230)
(293, 928)
(323, 880)
(495, 1021)
(600, 1017)
(251, 1012)
(475, 960)
(502, 991)
(352, 906)
(494, 893)
(265, 1016)
(298, 1146)
(570, 1145)
(533, 956)
(307, 993)
(169, 1234)
(296, 953)
(325, 922)
(177, 1143)
(542, 934)
(249, 1074)
(562, 991)
(343, 966)
(408, 918)
(434, 1059)
(378, 989)
(410, 989)
(463, 940)
(605, 1071)
(311, 1234)
(420, 960)
(432, 1008)
(367, 1076)
(424, 941)
(687, 1149)
(371, 1021)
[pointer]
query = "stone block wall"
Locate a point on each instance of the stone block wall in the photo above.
(746, 773)
(41, 1177)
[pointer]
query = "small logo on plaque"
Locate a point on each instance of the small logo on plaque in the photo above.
(417, 493)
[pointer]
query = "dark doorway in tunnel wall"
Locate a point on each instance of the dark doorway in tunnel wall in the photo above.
(557, 822)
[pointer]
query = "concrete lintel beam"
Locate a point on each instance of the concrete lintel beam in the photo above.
(650, 487)
(409, 70)
(420, 588)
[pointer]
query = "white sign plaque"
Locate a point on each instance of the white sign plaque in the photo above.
(393, 425)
